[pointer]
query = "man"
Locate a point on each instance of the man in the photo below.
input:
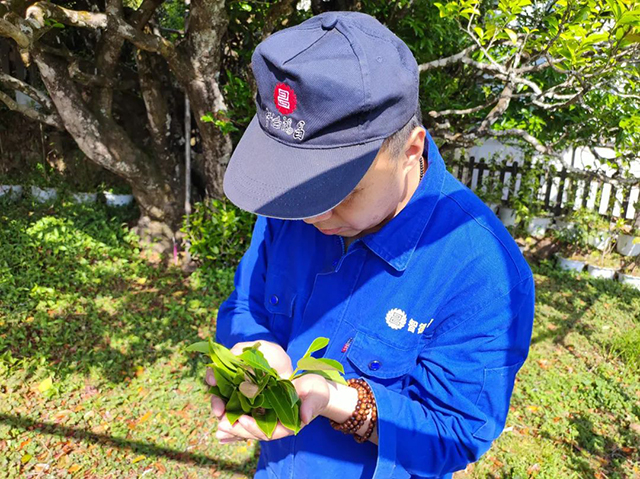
(364, 237)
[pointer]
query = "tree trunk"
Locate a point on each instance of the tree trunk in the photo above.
(156, 183)
(150, 161)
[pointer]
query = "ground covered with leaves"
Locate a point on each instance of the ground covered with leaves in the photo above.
(95, 380)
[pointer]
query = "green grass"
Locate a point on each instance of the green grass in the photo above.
(80, 306)
(575, 411)
(94, 380)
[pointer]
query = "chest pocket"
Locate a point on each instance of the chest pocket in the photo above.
(279, 301)
(374, 358)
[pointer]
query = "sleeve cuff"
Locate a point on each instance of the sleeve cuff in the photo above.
(386, 463)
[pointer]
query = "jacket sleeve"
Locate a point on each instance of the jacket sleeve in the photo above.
(454, 403)
(243, 316)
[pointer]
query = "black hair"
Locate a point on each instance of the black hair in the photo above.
(396, 141)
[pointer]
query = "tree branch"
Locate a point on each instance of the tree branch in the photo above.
(100, 138)
(27, 89)
(526, 136)
(467, 111)
(155, 99)
(39, 12)
(51, 120)
(107, 57)
(8, 29)
(460, 57)
(497, 111)
(144, 13)
(277, 11)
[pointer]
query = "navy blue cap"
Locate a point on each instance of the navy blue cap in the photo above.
(330, 90)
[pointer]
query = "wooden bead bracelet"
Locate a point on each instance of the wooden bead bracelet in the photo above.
(366, 404)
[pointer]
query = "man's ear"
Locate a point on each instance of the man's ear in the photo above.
(414, 147)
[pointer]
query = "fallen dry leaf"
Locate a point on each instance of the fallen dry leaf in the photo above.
(75, 468)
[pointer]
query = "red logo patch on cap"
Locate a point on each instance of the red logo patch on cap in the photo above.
(284, 98)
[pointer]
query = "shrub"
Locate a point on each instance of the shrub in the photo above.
(218, 233)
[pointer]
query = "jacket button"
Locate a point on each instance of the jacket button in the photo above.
(374, 365)
(274, 300)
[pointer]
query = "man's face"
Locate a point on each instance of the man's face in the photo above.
(381, 194)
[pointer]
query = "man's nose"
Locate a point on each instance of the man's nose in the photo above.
(319, 218)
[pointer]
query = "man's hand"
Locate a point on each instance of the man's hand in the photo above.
(312, 389)
(277, 358)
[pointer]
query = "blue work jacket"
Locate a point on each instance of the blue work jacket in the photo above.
(434, 311)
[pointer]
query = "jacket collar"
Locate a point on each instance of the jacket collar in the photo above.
(396, 241)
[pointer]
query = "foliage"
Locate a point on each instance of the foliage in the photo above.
(614, 228)
(491, 190)
(526, 201)
(218, 233)
(550, 75)
(248, 385)
(578, 230)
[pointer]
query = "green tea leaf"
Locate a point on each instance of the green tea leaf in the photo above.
(316, 345)
(278, 397)
(217, 363)
(249, 389)
(244, 403)
(215, 390)
(233, 404)
(263, 381)
(239, 377)
(224, 382)
(257, 401)
(297, 425)
(334, 376)
(201, 347)
(267, 422)
(319, 364)
(256, 360)
(265, 402)
(291, 391)
(233, 416)
(226, 356)
(512, 35)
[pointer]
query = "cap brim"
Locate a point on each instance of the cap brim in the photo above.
(273, 179)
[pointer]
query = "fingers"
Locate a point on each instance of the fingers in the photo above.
(217, 406)
(226, 438)
(250, 425)
(280, 431)
(247, 428)
(210, 378)
(238, 347)
(314, 392)
(237, 430)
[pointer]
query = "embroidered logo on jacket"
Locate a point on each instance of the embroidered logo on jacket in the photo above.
(397, 319)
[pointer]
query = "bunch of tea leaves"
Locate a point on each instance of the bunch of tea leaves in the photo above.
(249, 385)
